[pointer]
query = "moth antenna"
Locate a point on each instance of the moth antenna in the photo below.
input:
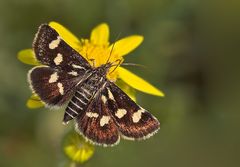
(117, 65)
(110, 54)
(134, 64)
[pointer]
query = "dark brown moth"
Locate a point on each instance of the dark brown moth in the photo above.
(102, 111)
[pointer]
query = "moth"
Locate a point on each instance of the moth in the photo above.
(103, 113)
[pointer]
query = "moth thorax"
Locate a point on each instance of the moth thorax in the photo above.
(95, 81)
(103, 69)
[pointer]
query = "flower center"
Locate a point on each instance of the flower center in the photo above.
(98, 55)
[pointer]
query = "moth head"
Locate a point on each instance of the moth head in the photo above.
(104, 69)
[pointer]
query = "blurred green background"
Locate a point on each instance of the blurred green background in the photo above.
(191, 50)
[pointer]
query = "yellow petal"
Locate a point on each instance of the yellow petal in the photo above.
(27, 56)
(66, 35)
(76, 148)
(137, 82)
(100, 35)
(126, 45)
(34, 102)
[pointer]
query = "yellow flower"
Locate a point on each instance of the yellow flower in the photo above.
(97, 50)
(76, 148)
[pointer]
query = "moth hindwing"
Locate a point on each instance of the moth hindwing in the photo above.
(103, 112)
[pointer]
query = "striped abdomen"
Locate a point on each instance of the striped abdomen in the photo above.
(82, 97)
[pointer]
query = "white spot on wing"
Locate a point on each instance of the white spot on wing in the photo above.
(91, 114)
(61, 88)
(120, 113)
(104, 99)
(110, 95)
(77, 66)
(53, 78)
(137, 115)
(104, 120)
(58, 59)
(55, 43)
(74, 73)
